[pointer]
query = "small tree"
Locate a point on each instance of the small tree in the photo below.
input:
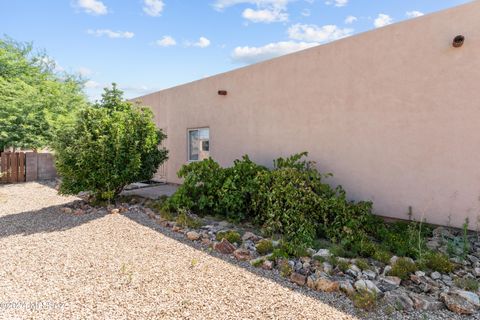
(112, 144)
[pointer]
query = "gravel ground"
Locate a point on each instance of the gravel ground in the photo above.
(61, 266)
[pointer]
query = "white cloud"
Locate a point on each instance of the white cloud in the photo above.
(111, 34)
(94, 7)
(201, 43)
(153, 7)
(350, 19)
(266, 11)
(166, 41)
(222, 4)
(414, 14)
(382, 20)
(314, 33)
(265, 15)
(337, 3)
(84, 72)
(255, 54)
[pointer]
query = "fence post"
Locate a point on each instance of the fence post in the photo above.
(31, 166)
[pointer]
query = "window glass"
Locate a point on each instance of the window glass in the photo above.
(198, 144)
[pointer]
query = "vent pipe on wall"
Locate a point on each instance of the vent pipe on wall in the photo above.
(458, 41)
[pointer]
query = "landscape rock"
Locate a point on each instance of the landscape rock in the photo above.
(367, 285)
(323, 253)
(67, 210)
(347, 287)
(242, 254)
(469, 296)
(298, 278)
(457, 304)
(435, 275)
(399, 299)
(370, 274)
(250, 236)
(425, 303)
(224, 247)
(267, 265)
(326, 285)
(193, 235)
(391, 280)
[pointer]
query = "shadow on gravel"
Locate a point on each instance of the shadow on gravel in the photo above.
(334, 300)
(49, 219)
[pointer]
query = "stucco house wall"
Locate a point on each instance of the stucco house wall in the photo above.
(394, 113)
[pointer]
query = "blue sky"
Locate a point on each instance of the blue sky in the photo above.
(148, 45)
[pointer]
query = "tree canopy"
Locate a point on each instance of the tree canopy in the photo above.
(35, 99)
(111, 144)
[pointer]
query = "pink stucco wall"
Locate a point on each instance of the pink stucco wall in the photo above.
(394, 113)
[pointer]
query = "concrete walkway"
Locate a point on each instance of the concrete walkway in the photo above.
(152, 192)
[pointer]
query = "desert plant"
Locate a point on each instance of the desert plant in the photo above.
(111, 144)
(402, 268)
(184, 220)
(365, 300)
(264, 246)
(437, 261)
(231, 235)
(468, 284)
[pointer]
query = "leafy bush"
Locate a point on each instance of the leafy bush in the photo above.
(184, 220)
(238, 190)
(467, 284)
(365, 300)
(111, 144)
(404, 239)
(382, 255)
(210, 189)
(286, 203)
(437, 261)
(199, 191)
(264, 246)
(231, 235)
(291, 200)
(402, 268)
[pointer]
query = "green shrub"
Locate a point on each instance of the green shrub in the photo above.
(437, 261)
(365, 300)
(264, 246)
(231, 235)
(278, 253)
(238, 190)
(343, 265)
(402, 268)
(111, 145)
(467, 284)
(200, 189)
(362, 264)
(286, 204)
(404, 238)
(382, 255)
(185, 221)
(285, 268)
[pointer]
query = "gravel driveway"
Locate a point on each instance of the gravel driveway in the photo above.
(61, 266)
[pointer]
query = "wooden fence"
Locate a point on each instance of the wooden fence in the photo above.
(18, 167)
(12, 167)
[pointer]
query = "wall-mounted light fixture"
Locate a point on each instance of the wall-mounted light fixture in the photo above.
(222, 92)
(458, 41)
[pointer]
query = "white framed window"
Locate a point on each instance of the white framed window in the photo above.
(198, 144)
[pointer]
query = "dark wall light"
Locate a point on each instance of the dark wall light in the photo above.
(458, 41)
(222, 92)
